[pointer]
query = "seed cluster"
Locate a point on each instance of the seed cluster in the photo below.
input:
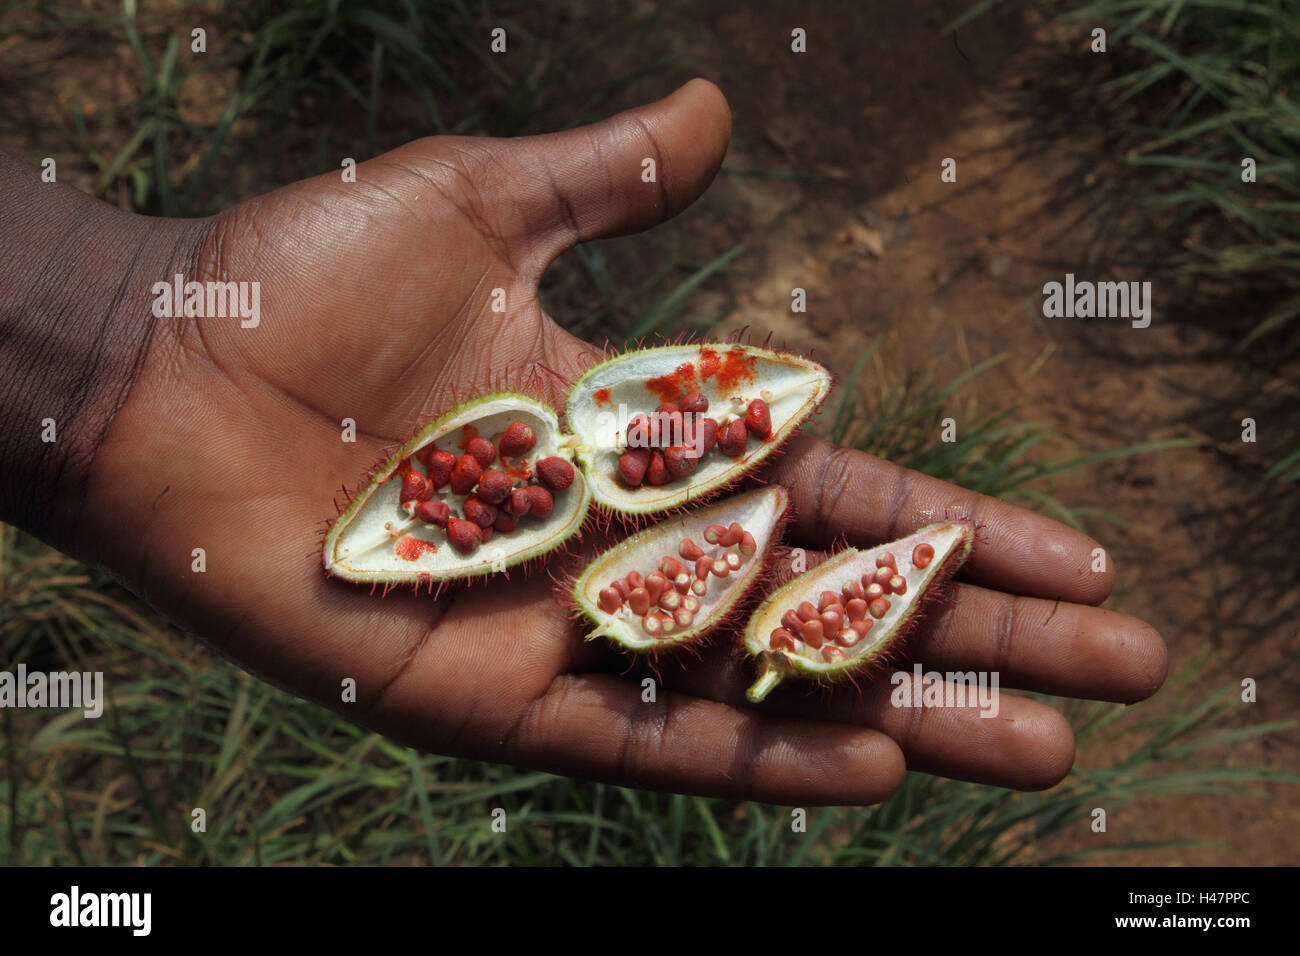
(493, 500)
(840, 621)
(671, 442)
(668, 598)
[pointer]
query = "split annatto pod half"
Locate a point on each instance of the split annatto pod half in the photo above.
(848, 613)
(709, 412)
(674, 582)
(475, 492)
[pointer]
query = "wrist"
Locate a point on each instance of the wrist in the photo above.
(75, 329)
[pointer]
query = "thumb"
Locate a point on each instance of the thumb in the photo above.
(545, 194)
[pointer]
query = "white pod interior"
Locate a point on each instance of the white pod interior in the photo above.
(760, 512)
(951, 543)
(375, 539)
(603, 401)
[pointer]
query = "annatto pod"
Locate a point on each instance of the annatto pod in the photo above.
(431, 511)
(719, 410)
(648, 431)
(846, 614)
(674, 582)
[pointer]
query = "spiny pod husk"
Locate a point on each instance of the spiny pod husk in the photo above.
(387, 536)
(845, 615)
(769, 393)
(691, 570)
(495, 482)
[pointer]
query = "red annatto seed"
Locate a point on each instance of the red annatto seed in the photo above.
(656, 584)
(856, 609)
(683, 618)
(666, 623)
(506, 522)
(555, 473)
(494, 487)
(415, 487)
(733, 535)
(465, 475)
(748, 546)
(852, 590)
(632, 465)
(691, 603)
(832, 654)
(758, 418)
(861, 627)
(639, 428)
(898, 584)
(434, 512)
(707, 432)
(485, 534)
(882, 577)
(690, 550)
(713, 533)
(622, 587)
(832, 622)
(695, 403)
(440, 464)
(670, 601)
(518, 440)
(873, 593)
(671, 567)
(733, 560)
(922, 555)
(635, 580)
(827, 599)
(847, 637)
(657, 472)
(682, 582)
(811, 633)
(791, 621)
(609, 600)
(806, 611)
(521, 502)
(878, 608)
(719, 568)
(700, 587)
(680, 460)
(482, 449)
(540, 501)
(639, 601)
(480, 512)
(703, 565)
(652, 626)
(465, 536)
(733, 438)
(886, 560)
(781, 640)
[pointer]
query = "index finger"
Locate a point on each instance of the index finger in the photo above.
(841, 493)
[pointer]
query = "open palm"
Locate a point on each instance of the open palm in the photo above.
(376, 306)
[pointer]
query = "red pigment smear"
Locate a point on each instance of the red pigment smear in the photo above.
(411, 549)
(736, 369)
(602, 398)
(709, 363)
(519, 472)
(676, 385)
